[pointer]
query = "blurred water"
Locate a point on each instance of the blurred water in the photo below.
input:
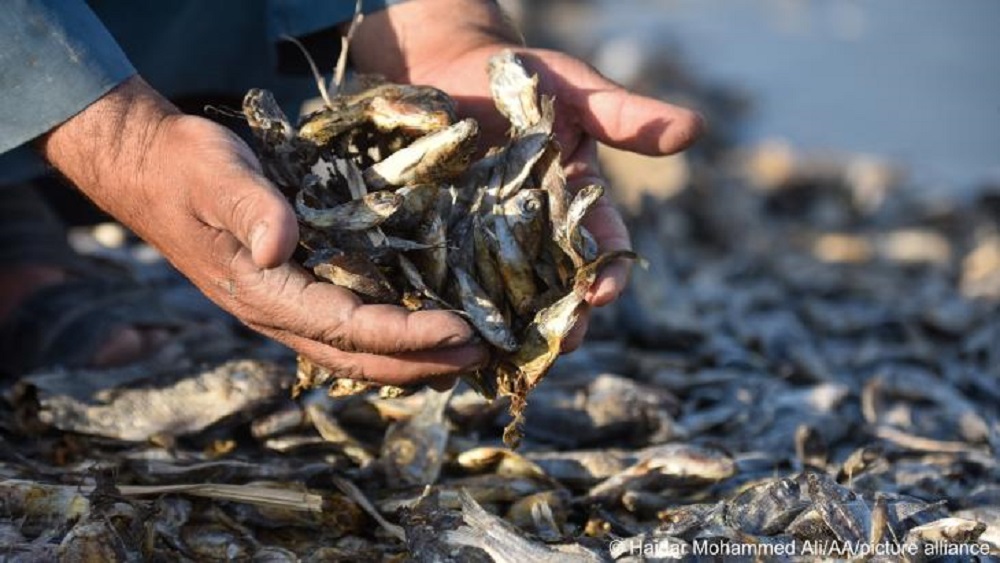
(915, 80)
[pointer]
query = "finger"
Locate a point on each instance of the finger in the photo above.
(576, 335)
(606, 224)
(399, 369)
(603, 221)
(288, 299)
(244, 203)
(621, 118)
(442, 383)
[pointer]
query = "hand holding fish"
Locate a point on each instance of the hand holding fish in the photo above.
(447, 43)
(196, 191)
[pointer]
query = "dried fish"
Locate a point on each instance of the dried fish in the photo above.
(438, 156)
(751, 390)
(503, 542)
(483, 313)
(514, 92)
(413, 451)
(356, 215)
(172, 401)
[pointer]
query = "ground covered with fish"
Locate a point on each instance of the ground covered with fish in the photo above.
(807, 366)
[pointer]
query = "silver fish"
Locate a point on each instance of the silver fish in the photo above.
(514, 92)
(356, 215)
(437, 156)
(413, 451)
(483, 313)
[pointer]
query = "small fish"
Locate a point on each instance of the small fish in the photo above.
(416, 280)
(583, 250)
(543, 514)
(669, 463)
(419, 200)
(280, 155)
(438, 156)
(767, 508)
(413, 451)
(356, 215)
(433, 261)
(359, 274)
(526, 214)
(849, 518)
(514, 92)
(500, 461)
(517, 161)
(506, 544)
(414, 110)
(515, 268)
(483, 313)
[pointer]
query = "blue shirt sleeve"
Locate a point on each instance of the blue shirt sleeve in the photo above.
(56, 58)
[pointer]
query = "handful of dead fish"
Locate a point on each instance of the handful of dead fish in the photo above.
(392, 206)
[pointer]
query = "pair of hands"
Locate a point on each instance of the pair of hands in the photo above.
(195, 191)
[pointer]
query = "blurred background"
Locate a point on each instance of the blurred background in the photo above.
(914, 83)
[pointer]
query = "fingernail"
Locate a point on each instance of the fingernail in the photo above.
(256, 235)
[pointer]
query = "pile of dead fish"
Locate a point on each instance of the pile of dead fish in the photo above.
(806, 370)
(392, 208)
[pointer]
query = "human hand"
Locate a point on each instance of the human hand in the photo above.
(195, 191)
(447, 43)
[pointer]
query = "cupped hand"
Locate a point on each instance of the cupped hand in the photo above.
(195, 191)
(447, 43)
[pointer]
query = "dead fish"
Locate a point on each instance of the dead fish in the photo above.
(412, 109)
(488, 489)
(525, 213)
(416, 281)
(359, 274)
(483, 313)
(419, 201)
(519, 373)
(500, 461)
(182, 400)
(279, 153)
(486, 268)
(848, 518)
(582, 468)
(504, 543)
(582, 202)
(438, 156)
(356, 215)
(766, 508)
(266, 119)
(672, 464)
(514, 92)
(433, 261)
(42, 506)
(516, 162)
(115, 531)
(332, 431)
(543, 514)
(216, 542)
(553, 181)
(947, 530)
(514, 265)
(413, 451)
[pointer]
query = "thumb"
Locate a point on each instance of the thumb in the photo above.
(249, 207)
(622, 119)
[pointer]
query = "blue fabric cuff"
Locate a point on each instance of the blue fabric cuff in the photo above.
(302, 17)
(56, 58)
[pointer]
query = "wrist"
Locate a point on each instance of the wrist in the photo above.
(425, 34)
(103, 149)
